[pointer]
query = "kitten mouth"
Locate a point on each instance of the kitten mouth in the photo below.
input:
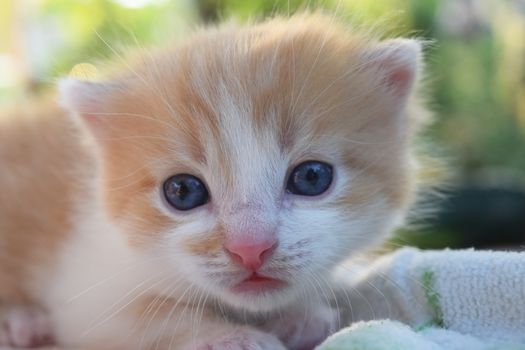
(256, 283)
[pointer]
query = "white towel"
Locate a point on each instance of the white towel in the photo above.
(392, 335)
(442, 294)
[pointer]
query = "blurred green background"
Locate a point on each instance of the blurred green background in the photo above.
(475, 68)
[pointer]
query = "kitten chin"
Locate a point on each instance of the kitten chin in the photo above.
(239, 167)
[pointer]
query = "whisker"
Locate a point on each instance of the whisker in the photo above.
(105, 280)
(164, 326)
(92, 326)
(167, 297)
(155, 302)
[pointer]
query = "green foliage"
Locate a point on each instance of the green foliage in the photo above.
(100, 29)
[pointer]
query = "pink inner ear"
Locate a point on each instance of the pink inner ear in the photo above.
(397, 61)
(400, 79)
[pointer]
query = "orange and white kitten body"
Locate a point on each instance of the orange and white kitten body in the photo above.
(201, 198)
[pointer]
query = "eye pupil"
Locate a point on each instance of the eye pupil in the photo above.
(310, 178)
(182, 191)
(185, 192)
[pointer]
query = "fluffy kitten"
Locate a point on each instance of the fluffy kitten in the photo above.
(222, 179)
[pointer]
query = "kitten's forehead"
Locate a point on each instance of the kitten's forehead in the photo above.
(242, 159)
(249, 88)
(249, 106)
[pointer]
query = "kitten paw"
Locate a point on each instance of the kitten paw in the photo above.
(244, 339)
(304, 330)
(23, 326)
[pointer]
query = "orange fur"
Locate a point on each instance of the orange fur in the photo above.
(238, 107)
(41, 157)
(213, 242)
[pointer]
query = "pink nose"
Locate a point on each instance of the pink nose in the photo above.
(250, 254)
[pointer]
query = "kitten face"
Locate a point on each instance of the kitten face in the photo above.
(239, 109)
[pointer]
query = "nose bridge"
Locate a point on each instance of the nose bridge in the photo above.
(252, 197)
(256, 187)
(252, 221)
(256, 166)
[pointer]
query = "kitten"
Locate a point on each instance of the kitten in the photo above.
(201, 198)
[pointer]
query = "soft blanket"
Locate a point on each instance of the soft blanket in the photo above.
(447, 299)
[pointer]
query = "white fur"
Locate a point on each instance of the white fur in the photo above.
(95, 268)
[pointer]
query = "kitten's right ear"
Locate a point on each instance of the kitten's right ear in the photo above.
(397, 62)
(87, 99)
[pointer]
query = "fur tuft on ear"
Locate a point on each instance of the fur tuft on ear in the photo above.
(398, 61)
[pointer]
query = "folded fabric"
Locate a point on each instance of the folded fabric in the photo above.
(449, 298)
(392, 335)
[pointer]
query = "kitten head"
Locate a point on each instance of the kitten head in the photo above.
(253, 159)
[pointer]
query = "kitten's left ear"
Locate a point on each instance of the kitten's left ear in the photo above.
(87, 99)
(398, 63)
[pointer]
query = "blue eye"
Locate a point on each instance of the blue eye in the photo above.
(310, 178)
(185, 192)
